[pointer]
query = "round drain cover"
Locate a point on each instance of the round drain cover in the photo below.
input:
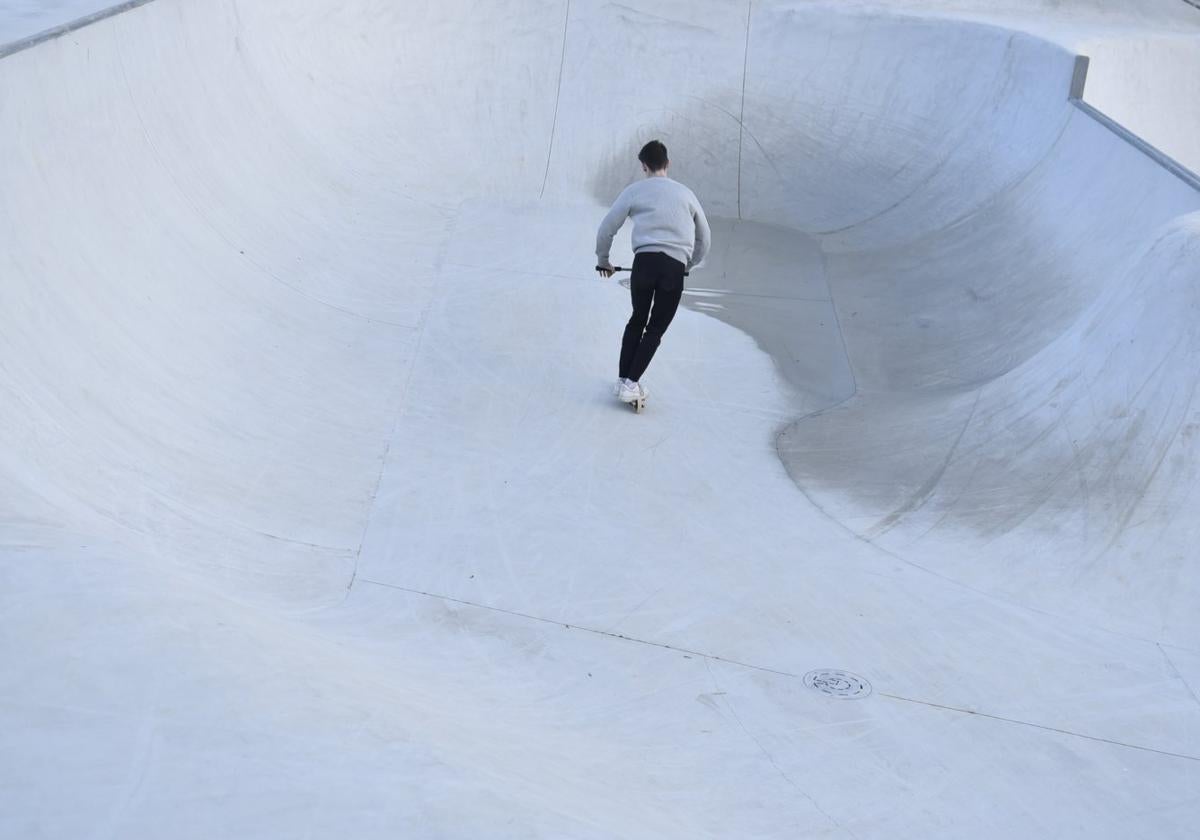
(841, 684)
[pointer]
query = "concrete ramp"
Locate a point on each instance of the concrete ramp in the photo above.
(318, 519)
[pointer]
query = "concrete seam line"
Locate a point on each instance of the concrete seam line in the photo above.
(1055, 729)
(562, 62)
(742, 110)
(569, 626)
(31, 41)
(708, 656)
(404, 391)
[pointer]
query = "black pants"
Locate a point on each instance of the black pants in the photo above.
(656, 285)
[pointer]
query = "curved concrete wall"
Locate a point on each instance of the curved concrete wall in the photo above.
(231, 179)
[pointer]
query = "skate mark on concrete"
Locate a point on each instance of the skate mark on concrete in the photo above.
(1178, 674)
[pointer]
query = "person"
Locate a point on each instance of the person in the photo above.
(670, 237)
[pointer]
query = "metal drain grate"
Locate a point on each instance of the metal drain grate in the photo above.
(841, 684)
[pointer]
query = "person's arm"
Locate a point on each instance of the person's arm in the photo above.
(703, 238)
(608, 229)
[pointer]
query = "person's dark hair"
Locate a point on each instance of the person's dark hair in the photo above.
(654, 155)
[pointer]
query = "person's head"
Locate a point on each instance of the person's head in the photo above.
(654, 157)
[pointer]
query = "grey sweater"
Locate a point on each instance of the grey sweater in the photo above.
(667, 218)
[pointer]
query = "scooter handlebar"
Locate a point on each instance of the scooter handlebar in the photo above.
(617, 268)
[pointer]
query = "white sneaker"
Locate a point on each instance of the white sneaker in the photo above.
(617, 387)
(631, 392)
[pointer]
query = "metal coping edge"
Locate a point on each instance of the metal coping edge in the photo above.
(1079, 82)
(50, 34)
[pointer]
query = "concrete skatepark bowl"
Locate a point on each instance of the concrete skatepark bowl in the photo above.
(317, 518)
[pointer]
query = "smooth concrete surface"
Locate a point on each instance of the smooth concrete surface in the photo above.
(318, 519)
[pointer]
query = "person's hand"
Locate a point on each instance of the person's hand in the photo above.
(606, 269)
